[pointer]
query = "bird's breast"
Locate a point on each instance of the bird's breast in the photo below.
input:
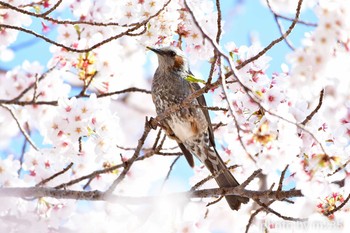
(184, 127)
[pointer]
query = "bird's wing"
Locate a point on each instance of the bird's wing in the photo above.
(187, 154)
(169, 132)
(202, 102)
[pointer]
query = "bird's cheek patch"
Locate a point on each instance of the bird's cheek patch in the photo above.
(178, 62)
(194, 127)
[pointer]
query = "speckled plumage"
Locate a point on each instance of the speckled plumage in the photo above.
(190, 127)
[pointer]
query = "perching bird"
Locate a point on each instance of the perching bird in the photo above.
(190, 127)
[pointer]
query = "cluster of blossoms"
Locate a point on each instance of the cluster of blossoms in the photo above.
(106, 73)
(273, 142)
(309, 63)
(259, 128)
(330, 203)
(83, 132)
(324, 69)
(161, 28)
(83, 120)
(14, 85)
(8, 36)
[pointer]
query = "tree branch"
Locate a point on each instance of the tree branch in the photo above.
(210, 177)
(311, 115)
(147, 129)
(338, 207)
(23, 131)
(268, 209)
(54, 175)
(38, 192)
(170, 170)
(68, 48)
(55, 102)
(279, 25)
(51, 9)
(274, 42)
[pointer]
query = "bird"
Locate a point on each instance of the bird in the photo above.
(190, 127)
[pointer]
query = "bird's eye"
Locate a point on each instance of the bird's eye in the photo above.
(172, 53)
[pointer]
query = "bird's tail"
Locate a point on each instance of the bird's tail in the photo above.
(225, 179)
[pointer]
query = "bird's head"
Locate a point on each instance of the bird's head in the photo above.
(171, 58)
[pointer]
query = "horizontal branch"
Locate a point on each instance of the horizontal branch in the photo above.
(38, 192)
(55, 102)
(68, 48)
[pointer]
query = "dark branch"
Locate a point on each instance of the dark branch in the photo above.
(147, 129)
(54, 175)
(311, 115)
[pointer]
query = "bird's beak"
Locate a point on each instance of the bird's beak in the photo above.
(157, 51)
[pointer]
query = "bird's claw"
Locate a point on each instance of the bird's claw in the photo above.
(153, 123)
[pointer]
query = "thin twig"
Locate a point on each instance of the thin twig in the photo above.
(68, 48)
(80, 143)
(87, 183)
(25, 142)
(212, 68)
(338, 207)
(280, 183)
(169, 153)
(218, 35)
(299, 21)
(16, 101)
(43, 76)
(35, 89)
(88, 176)
(147, 129)
(311, 115)
(340, 168)
(279, 25)
(86, 85)
(274, 42)
(218, 125)
(251, 178)
(280, 28)
(96, 173)
(218, 21)
(127, 90)
(211, 108)
(51, 9)
(214, 202)
(268, 209)
(230, 107)
(170, 170)
(157, 139)
(252, 216)
(212, 176)
(23, 131)
(54, 176)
